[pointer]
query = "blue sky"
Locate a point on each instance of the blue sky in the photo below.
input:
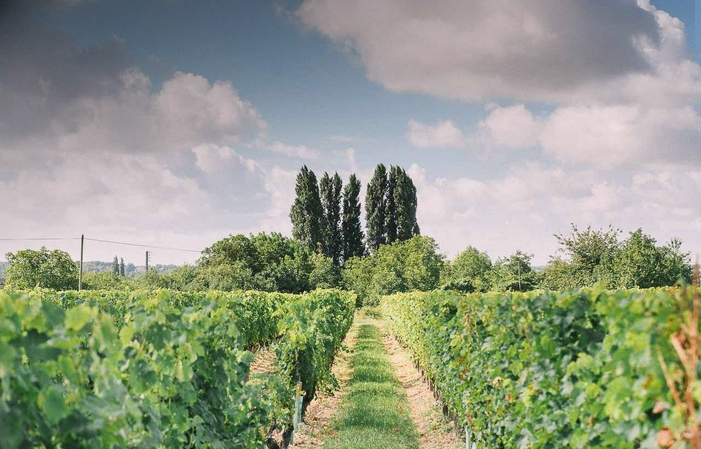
(177, 122)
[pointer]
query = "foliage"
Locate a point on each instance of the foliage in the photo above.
(157, 369)
(413, 264)
(468, 271)
(151, 384)
(46, 269)
(313, 329)
(403, 196)
(548, 370)
(353, 245)
(325, 274)
(599, 257)
(104, 280)
(330, 191)
(307, 212)
(513, 273)
(376, 208)
(261, 262)
(390, 207)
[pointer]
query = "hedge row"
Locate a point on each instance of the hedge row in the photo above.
(575, 369)
(156, 369)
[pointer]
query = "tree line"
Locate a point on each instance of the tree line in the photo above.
(326, 217)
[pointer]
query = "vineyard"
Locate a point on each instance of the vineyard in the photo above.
(579, 369)
(166, 369)
(160, 369)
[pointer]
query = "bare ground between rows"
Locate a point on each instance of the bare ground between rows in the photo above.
(435, 431)
(317, 425)
(264, 362)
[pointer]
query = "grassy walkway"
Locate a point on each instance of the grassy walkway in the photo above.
(375, 412)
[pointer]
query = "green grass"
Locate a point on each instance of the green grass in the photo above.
(375, 412)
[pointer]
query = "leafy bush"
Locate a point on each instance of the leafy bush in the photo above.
(157, 369)
(575, 369)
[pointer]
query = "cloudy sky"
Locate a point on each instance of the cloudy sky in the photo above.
(178, 122)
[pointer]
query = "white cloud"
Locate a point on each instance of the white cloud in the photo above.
(523, 209)
(190, 110)
(527, 50)
(439, 135)
(604, 135)
(299, 151)
(510, 127)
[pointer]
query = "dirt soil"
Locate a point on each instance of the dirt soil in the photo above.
(435, 431)
(264, 362)
(321, 411)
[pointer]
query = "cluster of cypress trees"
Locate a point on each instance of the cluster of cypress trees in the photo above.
(390, 207)
(118, 267)
(326, 215)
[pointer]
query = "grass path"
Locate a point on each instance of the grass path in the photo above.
(375, 412)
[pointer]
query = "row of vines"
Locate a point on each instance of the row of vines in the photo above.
(160, 369)
(581, 369)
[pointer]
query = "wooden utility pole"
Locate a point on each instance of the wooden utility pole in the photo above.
(80, 275)
(146, 261)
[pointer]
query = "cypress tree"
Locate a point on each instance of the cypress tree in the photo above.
(330, 192)
(121, 267)
(404, 195)
(306, 213)
(376, 208)
(393, 203)
(353, 245)
(115, 266)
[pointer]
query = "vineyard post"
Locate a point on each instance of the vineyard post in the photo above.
(297, 417)
(80, 275)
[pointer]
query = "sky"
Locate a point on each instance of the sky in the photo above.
(175, 123)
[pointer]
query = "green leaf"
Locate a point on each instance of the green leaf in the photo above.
(53, 405)
(79, 316)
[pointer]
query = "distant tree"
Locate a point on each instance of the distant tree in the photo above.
(330, 190)
(406, 205)
(353, 245)
(393, 200)
(469, 270)
(414, 264)
(269, 262)
(598, 257)
(376, 208)
(121, 268)
(640, 263)
(677, 263)
(104, 280)
(589, 251)
(47, 269)
(325, 273)
(514, 273)
(115, 266)
(306, 212)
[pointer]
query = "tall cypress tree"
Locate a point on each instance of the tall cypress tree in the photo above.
(121, 267)
(353, 245)
(393, 198)
(404, 195)
(330, 192)
(306, 213)
(115, 266)
(376, 208)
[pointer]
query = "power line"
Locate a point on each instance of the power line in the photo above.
(40, 239)
(143, 246)
(98, 240)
